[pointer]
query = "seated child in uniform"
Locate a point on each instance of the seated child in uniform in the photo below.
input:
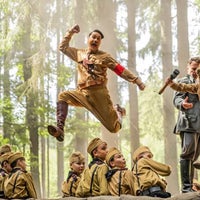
(120, 179)
(93, 181)
(77, 165)
(19, 184)
(4, 172)
(148, 172)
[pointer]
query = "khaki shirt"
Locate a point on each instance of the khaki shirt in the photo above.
(19, 185)
(101, 60)
(3, 177)
(69, 187)
(98, 186)
(149, 172)
(183, 87)
(122, 182)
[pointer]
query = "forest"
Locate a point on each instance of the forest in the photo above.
(151, 38)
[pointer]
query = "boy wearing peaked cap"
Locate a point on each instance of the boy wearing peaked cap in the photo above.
(120, 179)
(4, 171)
(148, 174)
(19, 184)
(93, 181)
(77, 165)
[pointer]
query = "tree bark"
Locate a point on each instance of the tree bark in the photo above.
(182, 36)
(168, 110)
(109, 43)
(133, 96)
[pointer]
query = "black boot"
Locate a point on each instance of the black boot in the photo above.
(186, 173)
(58, 132)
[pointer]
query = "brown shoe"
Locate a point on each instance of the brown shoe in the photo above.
(196, 164)
(56, 132)
(121, 110)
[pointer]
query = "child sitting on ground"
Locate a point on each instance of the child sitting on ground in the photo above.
(4, 172)
(77, 165)
(93, 181)
(120, 179)
(148, 172)
(19, 184)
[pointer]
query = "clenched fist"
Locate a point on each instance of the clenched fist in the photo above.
(75, 29)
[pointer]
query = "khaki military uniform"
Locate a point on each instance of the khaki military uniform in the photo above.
(3, 177)
(69, 186)
(183, 87)
(19, 185)
(121, 182)
(148, 173)
(93, 181)
(92, 92)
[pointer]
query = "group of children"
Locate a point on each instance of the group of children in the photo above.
(107, 174)
(15, 181)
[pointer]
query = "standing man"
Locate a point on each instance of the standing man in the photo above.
(188, 126)
(91, 92)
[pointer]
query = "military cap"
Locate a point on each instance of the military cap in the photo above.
(5, 148)
(14, 156)
(111, 152)
(4, 157)
(76, 157)
(139, 151)
(93, 144)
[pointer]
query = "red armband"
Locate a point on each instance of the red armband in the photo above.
(118, 69)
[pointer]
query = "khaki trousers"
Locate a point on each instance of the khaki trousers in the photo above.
(97, 100)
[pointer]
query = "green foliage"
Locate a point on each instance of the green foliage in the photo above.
(64, 76)
(197, 3)
(3, 140)
(81, 126)
(151, 116)
(49, 72)
(148, 21)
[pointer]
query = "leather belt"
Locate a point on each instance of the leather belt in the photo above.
(151, 190)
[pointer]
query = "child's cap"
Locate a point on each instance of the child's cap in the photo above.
(111, 152)
(5, 148)
(4, 157)
(14, 156)
(139, 151)
(93, 144)
(76, 157)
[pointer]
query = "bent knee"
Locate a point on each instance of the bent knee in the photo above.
(63, 96)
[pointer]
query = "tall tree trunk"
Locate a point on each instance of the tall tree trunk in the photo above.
(60, 145)
(7, 107)
(109, 43)
(168, 110)
(133, 96)
(31, 97)
(182, 35)
(81, 135)
(43, 21)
